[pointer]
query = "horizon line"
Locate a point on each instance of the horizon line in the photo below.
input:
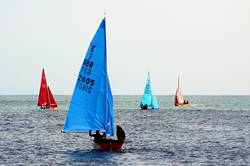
(134, 94)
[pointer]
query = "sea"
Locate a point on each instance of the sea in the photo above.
(215, 130)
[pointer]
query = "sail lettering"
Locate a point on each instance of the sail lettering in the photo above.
(86, 67)
(85, 71)
(84, 87)
(147, 89)
(92, 51)
(93, 48)
(86, 80)
(88, 63)
(85, 83)
(92, 82)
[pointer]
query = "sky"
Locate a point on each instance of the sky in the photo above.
(204, 42)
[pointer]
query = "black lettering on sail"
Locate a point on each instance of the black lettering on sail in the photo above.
(92, 51)
(85, 84)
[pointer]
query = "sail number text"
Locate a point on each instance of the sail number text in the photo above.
(86, 67)
(85, 84)
(88, 63)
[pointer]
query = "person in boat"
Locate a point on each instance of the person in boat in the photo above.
(187, 102)
(184, 102)
(141, 105)
(120, 134)
(105, 139)
(98, 138)
(42, 107)
(144, 106)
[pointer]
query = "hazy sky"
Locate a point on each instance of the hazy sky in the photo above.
(205, 42)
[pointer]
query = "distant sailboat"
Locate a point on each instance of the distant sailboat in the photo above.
(149, 100)
(45, 99)
(179, 100)
(91, 106)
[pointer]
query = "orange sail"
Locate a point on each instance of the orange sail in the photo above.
(53, 103)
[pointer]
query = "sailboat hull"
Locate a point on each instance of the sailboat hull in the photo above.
(149, 108)
(183, 105)
(108, 146)
(49, 109)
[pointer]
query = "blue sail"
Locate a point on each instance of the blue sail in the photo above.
(91, 106)
(155, 104)
(148, 97)
(110, 113)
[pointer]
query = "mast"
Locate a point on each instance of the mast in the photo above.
(48, 104)
(106, 71)
(178, 82)
(179, 96)
(151, 94)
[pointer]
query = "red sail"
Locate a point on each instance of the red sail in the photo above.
(52, 99)
(43, 94)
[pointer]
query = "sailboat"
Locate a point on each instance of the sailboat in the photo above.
(179, 99)
(149, 100)
(45, 99)
(91, 106)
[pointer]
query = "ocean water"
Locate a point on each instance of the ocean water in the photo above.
(214, 131)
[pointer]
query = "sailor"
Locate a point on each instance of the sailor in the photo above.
(42, 107)
(98, 138)
(105, 139)
(141, 105)
(120, 134)
(104, 135)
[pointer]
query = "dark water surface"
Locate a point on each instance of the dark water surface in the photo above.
(215, 131)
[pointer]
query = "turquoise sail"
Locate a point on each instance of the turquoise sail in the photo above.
(91, 106)
(148, 97)
(155, 102)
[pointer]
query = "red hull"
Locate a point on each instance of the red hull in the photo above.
(109, 146)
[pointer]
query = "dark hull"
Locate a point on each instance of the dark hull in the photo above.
(109, 146)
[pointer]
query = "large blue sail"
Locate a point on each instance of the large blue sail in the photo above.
(91, 106)
(147, 97)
